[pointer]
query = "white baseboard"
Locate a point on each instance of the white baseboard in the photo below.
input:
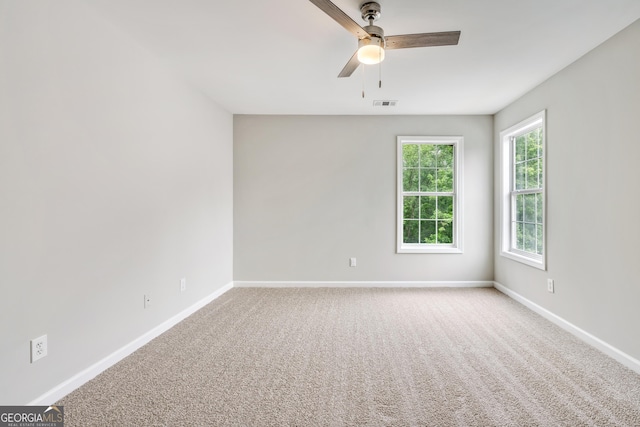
(362, 284)
(92, 371)
(609, 350)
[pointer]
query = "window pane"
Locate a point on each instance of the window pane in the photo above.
(411, 232)
(533, 145)
(445, 232)
(539, 139)
(410, 156)
(428, 155)
(519, 207)
(539, 208)
(532, 173)
(445, 156)
(445, 180)
(520, 176)
(428, 180)
(428, 231)
(530, 208)
(540, 173)
(519, 235)
(520, 146)
(411, 207)
(539, 233)
(428, 207)
(410, 180)
(445, 207)
(530, 235)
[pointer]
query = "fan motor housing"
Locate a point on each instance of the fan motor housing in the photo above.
(374, 31)
(370, 11)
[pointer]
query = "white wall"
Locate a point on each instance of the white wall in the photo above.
(312, 191)
(593, 208)
(115, 181)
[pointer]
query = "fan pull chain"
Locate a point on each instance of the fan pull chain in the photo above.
(362, 66)
(379, 69)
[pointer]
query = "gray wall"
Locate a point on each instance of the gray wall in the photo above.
(115, 181)
(312, 191)
(593, 208)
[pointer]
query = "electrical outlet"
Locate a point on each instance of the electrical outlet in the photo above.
(147, 301)
(183, 284)
(352, 262)
(550, 285)
(38, 348)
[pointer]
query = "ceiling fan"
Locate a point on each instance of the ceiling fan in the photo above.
(372, 42)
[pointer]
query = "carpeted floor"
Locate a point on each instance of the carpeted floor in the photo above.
(361, 357)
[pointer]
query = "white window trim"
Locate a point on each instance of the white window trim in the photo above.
(506, 175)
(458, 205)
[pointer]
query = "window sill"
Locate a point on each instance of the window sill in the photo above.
(424, 249)
(532, 262)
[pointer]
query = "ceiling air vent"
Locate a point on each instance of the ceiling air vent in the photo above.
(379, 103)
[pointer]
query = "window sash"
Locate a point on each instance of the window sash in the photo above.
(454, 222)
(524, 226)
(536, 222)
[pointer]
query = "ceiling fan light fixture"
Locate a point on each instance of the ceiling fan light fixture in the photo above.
(370, 50)
(371, 39)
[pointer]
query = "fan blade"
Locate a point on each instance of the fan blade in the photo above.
(351, 66)
(422, 40)
(341, 18)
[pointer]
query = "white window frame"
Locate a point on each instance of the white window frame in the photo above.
(458, 206)
(507, 210)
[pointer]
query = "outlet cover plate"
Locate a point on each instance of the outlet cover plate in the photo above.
(38, 348)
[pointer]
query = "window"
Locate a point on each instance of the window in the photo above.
(523, 191)
(429, 194)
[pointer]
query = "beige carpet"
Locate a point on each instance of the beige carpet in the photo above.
(361, 357)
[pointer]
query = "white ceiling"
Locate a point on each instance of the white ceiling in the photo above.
(283, 56)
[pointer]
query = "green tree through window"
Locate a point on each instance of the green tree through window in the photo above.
(527, 197)
(522, 201)
(428, 196)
